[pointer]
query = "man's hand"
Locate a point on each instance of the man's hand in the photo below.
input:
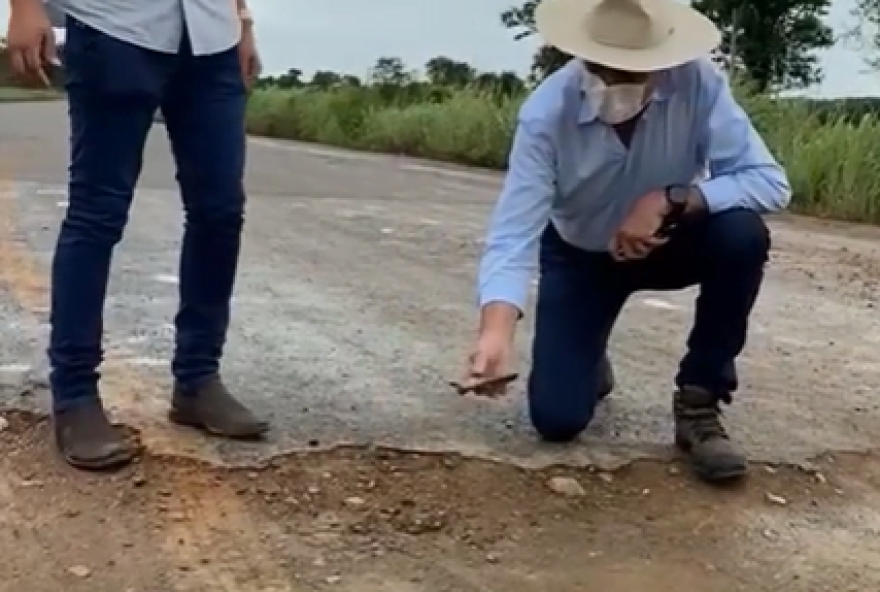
(251, 66)
(488, 372)
(31, 42)
(636, 237)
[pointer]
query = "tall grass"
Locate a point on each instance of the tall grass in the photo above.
(833, 161)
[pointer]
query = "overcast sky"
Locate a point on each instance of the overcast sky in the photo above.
(348, 36)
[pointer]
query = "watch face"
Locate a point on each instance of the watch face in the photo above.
(678, 195)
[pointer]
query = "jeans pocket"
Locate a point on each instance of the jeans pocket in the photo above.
(99, 65)
(79, 54)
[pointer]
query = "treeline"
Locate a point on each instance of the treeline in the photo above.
(390, 82)
(393, 81)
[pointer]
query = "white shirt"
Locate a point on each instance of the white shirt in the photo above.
(159, 25)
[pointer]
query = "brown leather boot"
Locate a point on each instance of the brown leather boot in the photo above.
(87, 440)
(212, 408)
(699, 432)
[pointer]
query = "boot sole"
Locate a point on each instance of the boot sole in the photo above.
(710, 476)
(183, 419)
(108, 463)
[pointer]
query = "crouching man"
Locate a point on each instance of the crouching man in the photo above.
(605, 196)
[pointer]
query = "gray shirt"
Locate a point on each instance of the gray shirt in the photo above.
(213, 25)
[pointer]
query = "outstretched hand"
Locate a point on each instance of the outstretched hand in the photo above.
(488, 367)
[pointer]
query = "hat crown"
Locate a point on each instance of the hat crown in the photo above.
(627, 24)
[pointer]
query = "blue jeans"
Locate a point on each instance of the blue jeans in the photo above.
(580, 295)
(114, 89)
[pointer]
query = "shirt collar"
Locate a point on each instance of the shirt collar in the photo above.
(589, 112)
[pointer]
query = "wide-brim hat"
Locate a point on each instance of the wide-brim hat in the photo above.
(630, 35)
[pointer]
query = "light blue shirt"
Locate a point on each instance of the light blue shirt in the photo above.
(567, 166)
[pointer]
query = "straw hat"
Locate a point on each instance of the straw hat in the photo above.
(629, 35)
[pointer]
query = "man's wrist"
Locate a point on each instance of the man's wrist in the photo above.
(499, 318)
(682, 200)
(696, 201)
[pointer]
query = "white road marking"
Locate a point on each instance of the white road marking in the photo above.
(658, 303)
(167, 278)
(47, 190)
(63, 204)
(372, 157)
(426, 168)
(16, 368)
(795, 342)
(150, 362)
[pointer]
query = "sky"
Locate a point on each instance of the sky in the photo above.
(348, 35)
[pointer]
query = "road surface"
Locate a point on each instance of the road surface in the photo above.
(353, 309)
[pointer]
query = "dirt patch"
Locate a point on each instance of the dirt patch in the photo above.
(370, 520)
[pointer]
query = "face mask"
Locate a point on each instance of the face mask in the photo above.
(618, 103)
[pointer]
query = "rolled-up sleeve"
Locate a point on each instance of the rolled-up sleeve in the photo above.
(743, 172)
(510, 258)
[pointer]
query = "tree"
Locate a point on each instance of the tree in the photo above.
(290, 79)
(866, 30)
(507, 84)
(443, 71)
(324, 79)
(390, 71)
(522, 19)
(775, 41)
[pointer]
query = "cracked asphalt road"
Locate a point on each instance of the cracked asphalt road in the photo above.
(353, 309)
(355, 306)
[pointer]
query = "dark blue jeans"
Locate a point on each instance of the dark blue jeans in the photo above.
(114, 90)
(580, 295)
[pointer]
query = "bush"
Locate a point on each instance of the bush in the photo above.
(830, 149)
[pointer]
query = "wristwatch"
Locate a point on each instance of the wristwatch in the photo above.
(677, 197)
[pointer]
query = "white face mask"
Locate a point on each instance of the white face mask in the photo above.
(618, 103)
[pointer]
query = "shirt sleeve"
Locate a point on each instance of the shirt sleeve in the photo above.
(743, 173)
(510, 259)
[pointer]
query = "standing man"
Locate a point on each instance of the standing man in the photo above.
(605, 195)
(124, 59)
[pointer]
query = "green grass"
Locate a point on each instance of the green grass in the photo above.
(833, 161)
(10, 94)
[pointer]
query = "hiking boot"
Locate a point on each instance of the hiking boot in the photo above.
(606, 378)
(699, 432)
(213, 409)
(87, 440)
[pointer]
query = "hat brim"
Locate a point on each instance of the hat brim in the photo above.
(561, 24)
